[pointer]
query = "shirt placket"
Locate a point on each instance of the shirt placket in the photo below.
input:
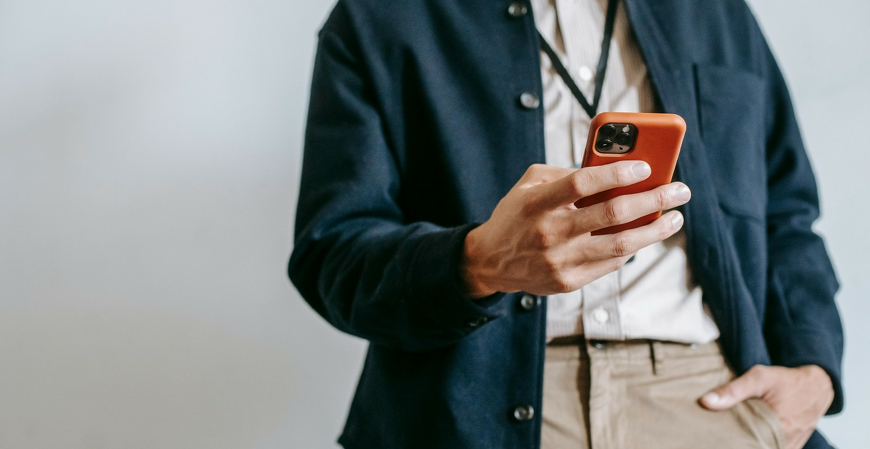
(600, 308)
(600, 299)
(582, 59)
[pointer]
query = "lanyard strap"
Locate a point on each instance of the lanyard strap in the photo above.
(591, 109)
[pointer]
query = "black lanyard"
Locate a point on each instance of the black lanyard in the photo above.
(591, 109)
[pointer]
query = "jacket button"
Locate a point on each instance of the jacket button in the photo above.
(524, 413)
(517, 10)
(477, 322)
(529, 100)
(529, 302)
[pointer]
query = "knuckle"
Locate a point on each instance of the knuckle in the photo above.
(622, 246)
(544, 238)
(662, 198)
(729, 390)
(579, 183)
(552, 270)
(551, 267)
(615, 211)
(533, 174)
(758, 373)
(562, 283)
(622, 175)
(533, 169)
(538, 238)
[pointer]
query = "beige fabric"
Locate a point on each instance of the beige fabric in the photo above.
(617, 306)
(621, 397)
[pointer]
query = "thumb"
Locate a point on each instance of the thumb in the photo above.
(752, 384)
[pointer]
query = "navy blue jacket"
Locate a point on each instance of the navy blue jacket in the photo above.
(415, 132)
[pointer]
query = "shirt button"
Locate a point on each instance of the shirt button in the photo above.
(477, 322)
(517, 10)
(601, 315)
(529, 302)
(524, 413)
(585, 73)
(529, 100)
(598, 344)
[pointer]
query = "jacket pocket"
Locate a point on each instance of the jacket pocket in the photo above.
(732, 123)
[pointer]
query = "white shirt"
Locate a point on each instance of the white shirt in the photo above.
(654, 295)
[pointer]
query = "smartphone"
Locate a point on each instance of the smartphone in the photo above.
(622, 136)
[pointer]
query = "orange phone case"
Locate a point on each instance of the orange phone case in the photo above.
(658, 142)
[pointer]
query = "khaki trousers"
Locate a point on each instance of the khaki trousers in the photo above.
(644, 394)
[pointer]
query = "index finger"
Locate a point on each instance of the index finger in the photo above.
(542, 173)
(591, 180)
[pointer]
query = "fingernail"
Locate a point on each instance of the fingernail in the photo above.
(711, 398)
(641, 170)
(682, 193)
(676, 222)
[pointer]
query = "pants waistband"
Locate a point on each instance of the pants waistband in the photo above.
(633, 349)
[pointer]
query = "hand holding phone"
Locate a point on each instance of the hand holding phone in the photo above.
(617, 136)
(541, 239)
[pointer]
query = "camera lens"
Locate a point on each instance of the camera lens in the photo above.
(605, 144)
(607, 131)
(623, 139)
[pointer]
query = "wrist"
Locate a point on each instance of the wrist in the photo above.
(471, 267)
(819, 375)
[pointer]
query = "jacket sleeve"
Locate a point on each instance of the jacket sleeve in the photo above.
(356, 261)
(802, 325)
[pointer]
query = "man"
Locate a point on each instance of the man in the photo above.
(436, 220)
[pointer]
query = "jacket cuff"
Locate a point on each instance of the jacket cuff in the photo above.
(794, 347)
(435, 286)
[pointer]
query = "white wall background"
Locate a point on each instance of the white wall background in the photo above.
(149, 162)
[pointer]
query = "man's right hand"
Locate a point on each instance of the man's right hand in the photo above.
(538, 241)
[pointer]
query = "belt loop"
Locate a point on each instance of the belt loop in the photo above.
(652, 356)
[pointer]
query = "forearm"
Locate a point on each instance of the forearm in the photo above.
(393, 285)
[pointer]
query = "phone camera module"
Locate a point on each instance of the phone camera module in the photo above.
(607, 131)
(616, 138)
(623, 139)
(605, 144)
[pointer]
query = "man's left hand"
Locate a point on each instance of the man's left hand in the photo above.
(799, 396)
